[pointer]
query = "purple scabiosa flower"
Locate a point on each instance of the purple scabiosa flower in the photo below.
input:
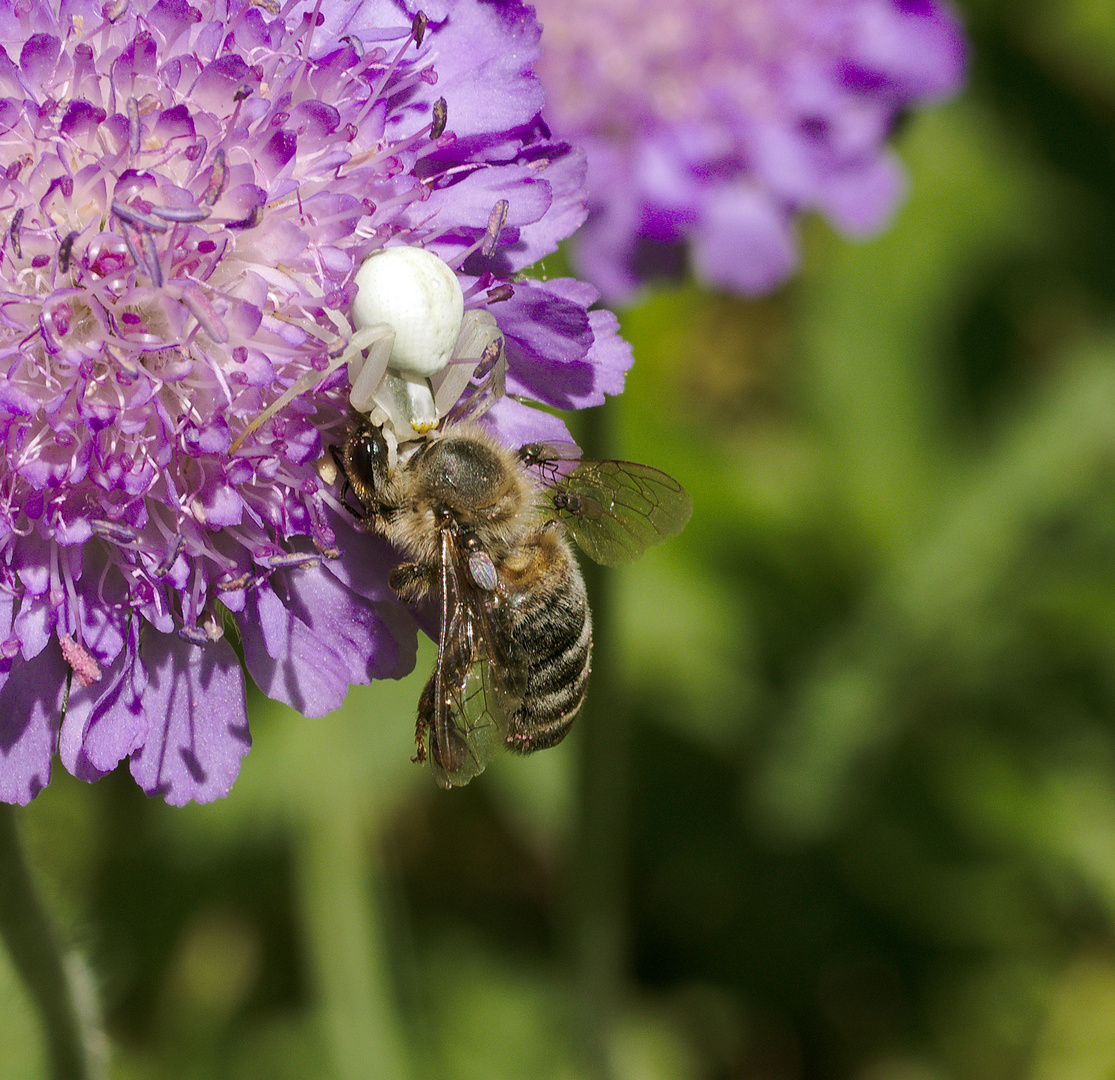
(186, 195)
(711, 123)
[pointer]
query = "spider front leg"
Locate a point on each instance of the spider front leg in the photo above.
(478, 355)
(377, 339)
(365, 374)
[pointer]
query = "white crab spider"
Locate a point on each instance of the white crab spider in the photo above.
(411, 350)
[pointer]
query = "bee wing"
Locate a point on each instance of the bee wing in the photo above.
(479, 679)
(473, 728)
(615, 510)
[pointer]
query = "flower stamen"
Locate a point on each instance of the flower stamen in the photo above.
(139, 220)
(417, 33)
(13, 232)
(133, 125)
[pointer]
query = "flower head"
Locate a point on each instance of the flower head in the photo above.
(187, 194)
(711, 123)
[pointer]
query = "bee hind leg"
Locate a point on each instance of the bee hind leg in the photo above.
(412, 582)
(419, 742)
(422, 723)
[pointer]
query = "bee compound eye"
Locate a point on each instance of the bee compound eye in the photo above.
(367, 459)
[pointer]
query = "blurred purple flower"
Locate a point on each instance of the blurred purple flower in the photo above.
(186, 194)
(711, 123)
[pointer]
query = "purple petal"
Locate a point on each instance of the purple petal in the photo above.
(30, 707)
(612, 355)
(516, 424)
(31, 560)
(219, 81)
(280, 148)
(471, 200)
(105, 721)
(669, 182)
(38, 57)
(14, 401)
(861, 201)
(173, 18)
(81, 117)
(306, 649)
(197, 723)
(359, 16)
(174, 123)
(219, 505)
(34, 625)
(565, 173)
(551, 349)
(604, 250)
(743, 243)
(101, 616)
(921, 49)
(9, 644)
(485, 54)
(365, 560)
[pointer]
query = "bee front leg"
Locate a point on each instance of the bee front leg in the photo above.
(412, 582)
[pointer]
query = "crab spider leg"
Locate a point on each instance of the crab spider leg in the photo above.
(364, 375)
(378, 339)
(478, 332)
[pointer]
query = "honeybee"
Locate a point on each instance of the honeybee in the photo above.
(484, 531)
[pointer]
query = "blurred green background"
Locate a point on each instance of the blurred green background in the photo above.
(843, 803)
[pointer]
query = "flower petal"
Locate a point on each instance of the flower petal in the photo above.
(197, 723)
(30, 708)
(516, 424)
(306, 648)
(743, 243)
(106, 721)
(485, 57)
(552, 348)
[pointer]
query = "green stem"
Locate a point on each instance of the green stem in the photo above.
(53, 983)
(344, 924)
(600, 914)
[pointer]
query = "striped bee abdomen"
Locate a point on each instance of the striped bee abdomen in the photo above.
(553, 625)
